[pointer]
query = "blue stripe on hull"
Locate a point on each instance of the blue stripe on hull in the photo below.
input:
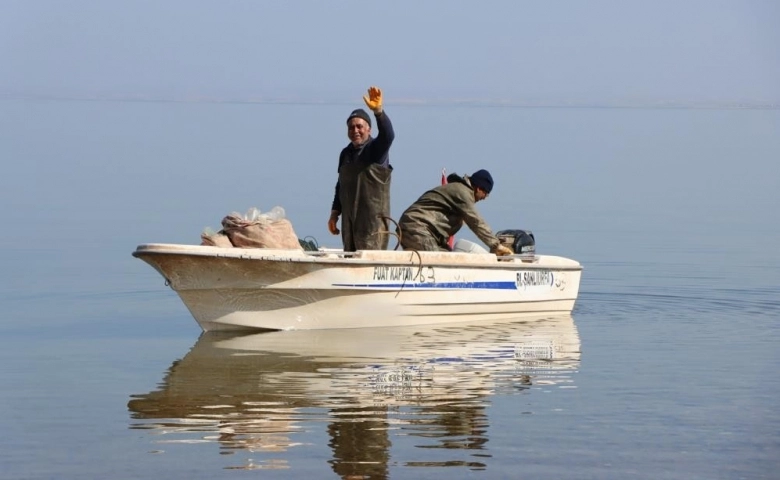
(440, 285)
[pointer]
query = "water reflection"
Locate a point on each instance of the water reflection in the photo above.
(415, 387)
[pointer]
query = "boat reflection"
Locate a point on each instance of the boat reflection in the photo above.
(422, 387)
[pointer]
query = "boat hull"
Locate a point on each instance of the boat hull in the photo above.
(239, 289)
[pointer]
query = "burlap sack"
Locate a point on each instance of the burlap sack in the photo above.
(260, 233)
(218, 239)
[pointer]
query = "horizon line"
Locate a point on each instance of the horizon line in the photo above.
(409, 101)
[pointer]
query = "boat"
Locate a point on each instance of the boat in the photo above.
(269, 392)
(274, 289)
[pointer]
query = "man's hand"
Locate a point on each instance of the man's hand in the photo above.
(334, 218)
(502, 250)
(374, 100)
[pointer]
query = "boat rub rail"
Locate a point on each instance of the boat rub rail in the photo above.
(361, 257)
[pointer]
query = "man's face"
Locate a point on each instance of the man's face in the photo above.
(358, 131)
(480, 194)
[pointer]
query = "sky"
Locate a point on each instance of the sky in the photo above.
(496, 50)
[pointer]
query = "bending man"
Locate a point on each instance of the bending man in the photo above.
(439, 213)
(363, 189)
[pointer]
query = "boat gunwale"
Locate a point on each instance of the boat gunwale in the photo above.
(319, 257)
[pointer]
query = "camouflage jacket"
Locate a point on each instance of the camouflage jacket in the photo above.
(442, 211)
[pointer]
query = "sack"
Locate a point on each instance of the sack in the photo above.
(218, 239)
(260, 233)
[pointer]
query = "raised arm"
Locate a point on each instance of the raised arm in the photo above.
(385, 133)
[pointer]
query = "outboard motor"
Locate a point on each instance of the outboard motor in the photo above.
(522, 242)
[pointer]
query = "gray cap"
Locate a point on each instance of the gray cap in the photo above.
(360, 113)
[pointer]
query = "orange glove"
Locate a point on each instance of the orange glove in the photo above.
(334, 217)
(502, 250)
(374, 100)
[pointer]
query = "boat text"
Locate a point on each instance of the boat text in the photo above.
(534, 278)
(422, 275)
(395, 274)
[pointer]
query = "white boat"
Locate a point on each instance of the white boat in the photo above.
(266, 289)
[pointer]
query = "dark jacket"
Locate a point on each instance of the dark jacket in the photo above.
(363, 190)
(440, 213)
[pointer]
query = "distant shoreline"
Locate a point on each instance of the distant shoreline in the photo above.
(452, 102)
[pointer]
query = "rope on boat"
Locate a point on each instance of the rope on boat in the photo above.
(309, 244)
(396, 234)
(416, 275)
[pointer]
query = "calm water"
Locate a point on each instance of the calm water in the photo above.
(667, 369)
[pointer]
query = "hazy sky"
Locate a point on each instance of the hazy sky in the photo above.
(701, 50)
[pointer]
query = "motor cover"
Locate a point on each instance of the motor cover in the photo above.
(522, 242)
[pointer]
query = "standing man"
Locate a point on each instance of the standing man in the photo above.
(439, 213)
(363, 189)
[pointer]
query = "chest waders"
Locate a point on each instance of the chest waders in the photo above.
(364, 193)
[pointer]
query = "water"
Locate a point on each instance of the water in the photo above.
(667, 368)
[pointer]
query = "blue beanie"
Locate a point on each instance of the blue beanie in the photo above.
(483, 180)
